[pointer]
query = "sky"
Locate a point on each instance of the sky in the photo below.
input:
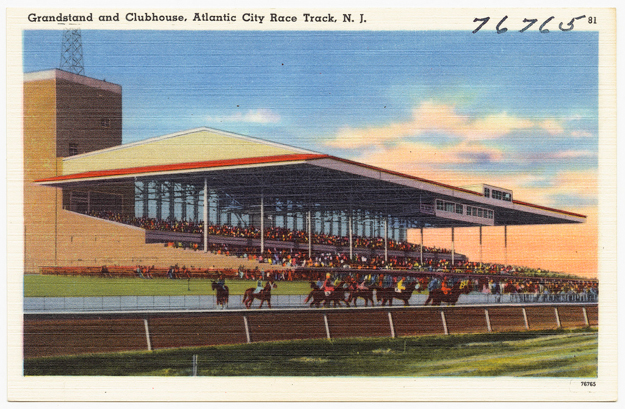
(518, 111)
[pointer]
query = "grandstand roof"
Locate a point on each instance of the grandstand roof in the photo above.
(246, 168)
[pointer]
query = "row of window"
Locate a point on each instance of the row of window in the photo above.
(479, 212)
(459, 209)
(498, 194)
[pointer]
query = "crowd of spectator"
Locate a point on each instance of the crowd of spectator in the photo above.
(271, 233)
(297, 258)
(484, 285)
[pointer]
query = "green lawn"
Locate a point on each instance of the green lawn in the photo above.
(80, 286)
(532, 354)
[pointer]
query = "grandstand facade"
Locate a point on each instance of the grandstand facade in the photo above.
(77, 171)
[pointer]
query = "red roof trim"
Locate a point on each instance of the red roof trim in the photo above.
(548, 208)
(261, 160)
(406, 176)
(184, 166)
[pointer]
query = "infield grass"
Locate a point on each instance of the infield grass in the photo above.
(82, 286)
(525, 354)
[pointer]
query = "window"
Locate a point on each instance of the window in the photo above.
(468, 210)
(439, 205)
(507, 197)
(105, 122)
(480, 213)
(449, 207)
(486, 192)
(73, 149)
(459, 208)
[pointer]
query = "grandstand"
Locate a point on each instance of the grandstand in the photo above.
(91, 200)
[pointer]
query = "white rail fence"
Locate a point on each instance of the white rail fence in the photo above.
(207, 302)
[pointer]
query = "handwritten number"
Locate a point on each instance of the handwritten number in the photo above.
(501, 30)
(485, 20)
(542, 28)
(570, 24)
(531, 22)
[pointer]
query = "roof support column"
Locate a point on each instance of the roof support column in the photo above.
(339, 223)
(196, 205)
(505, 243)
(205, 215)
(351, 244)
(183, 210)
(172, 200)
(146, 199)
(309, 221)
(480, 244)
(262, 224)
(159, 200)
(453, 250)
(421, 249)
(386, 239)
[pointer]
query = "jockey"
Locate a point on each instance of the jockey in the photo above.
(259, 285)
(328, 287)
(400, 285)
(445, 287)
(387, 281)
(221, 281)
(434, 284)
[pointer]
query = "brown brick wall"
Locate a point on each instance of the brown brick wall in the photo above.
(56, 112)
(40, 203)
(81, 110)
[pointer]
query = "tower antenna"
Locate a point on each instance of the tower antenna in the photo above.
(71, 52)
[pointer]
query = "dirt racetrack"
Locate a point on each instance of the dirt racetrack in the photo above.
(85, 333)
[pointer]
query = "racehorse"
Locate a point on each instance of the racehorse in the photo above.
(437, 296)
(263, 295)
(387, 294)
(355, 293)
(222, 294)
(317, 296)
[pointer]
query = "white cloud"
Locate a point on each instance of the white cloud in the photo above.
(257, 116)
(432, 118)
(573, 154)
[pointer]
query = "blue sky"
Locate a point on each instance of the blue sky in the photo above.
(519, 111)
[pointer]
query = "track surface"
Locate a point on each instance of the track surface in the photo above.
(83, 333)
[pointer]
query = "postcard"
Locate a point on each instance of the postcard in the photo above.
(342, 204)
